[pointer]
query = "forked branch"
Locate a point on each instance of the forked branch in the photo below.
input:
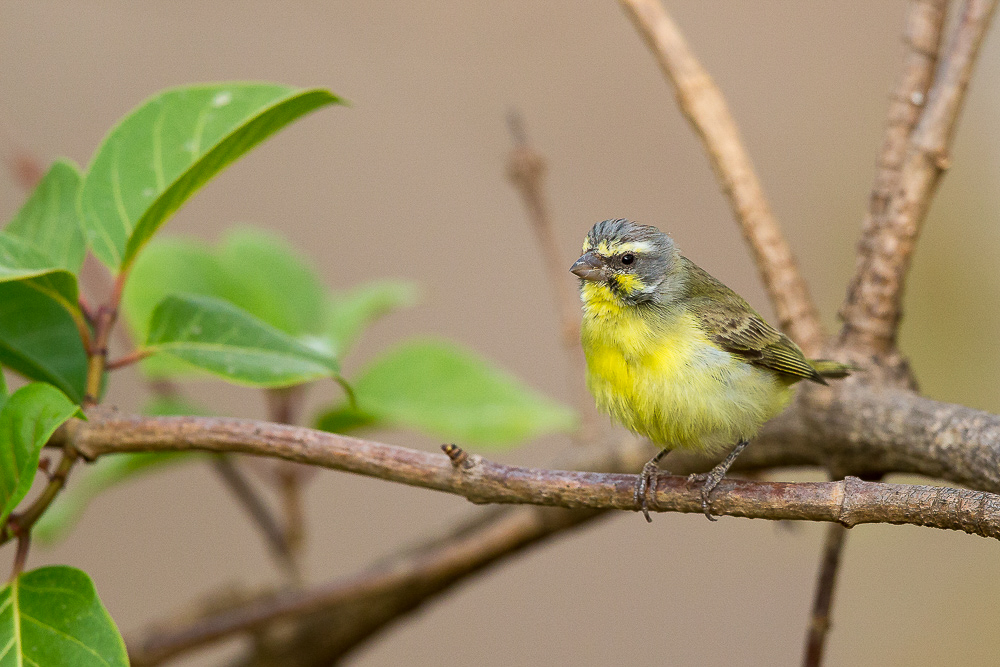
(872, 310)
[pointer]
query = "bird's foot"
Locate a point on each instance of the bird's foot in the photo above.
(708, 480)
(646, 482)
(711, 479)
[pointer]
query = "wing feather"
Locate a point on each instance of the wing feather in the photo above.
(736, 327)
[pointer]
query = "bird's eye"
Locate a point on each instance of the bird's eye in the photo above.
(628, 258)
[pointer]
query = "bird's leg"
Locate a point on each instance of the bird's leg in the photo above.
(715, 475)
(647, 479)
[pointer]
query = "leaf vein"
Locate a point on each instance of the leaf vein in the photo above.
(66, 636)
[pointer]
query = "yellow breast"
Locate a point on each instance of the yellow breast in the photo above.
(657, 373)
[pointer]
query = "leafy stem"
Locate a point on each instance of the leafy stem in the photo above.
(19, 525)
(97, 352)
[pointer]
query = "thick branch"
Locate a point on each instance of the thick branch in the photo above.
(335, 617)
(849, 502)
(853, 426)
(872, 311)
(864, 428)
(705, 107)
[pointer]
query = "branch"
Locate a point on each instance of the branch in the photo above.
(704, 106)
(336, 617)
(482, 481)
(922, 36)
(526, 171)
(333, 618)
(385, 592)
(250, 500)
(825, 585)
(861, 427)
(872, 310)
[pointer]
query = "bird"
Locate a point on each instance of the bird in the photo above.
(677, 357)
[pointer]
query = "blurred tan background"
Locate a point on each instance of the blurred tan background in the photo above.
(409, 182)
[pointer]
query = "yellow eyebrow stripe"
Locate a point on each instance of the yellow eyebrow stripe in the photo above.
(613, 248)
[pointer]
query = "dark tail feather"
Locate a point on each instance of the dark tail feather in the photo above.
(831, 370)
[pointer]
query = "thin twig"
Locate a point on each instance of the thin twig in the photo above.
(21, 523)
(133, 357)
(922, 36)
(258, 511)
(826, 584)
(97, 351)
(872, 310)
(526, 171)
(283, 406)
(705, 107)
(21, 557)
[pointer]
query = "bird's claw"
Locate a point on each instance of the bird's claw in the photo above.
(708, 483)
(647, 481)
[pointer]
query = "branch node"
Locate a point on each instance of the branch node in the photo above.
(459, 457)
(942, 160)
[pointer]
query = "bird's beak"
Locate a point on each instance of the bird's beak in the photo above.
(589, 267)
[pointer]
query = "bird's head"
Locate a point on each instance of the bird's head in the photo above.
(627, 262)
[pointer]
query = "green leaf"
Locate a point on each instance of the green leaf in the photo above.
(220, 338)
(40, 340)
(49, 219)
(3, 389)
(165, 150)
(348, 313)
(438, 388)
(52, 616)
(28, 419)
(269, 279)
(345, 419)
(21, 261)
(165, 267)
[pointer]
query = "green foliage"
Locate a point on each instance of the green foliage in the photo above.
(256, 270)
(49, 219)
(227, 341)
(27, 420)
(259, 272)
(52, 616)
(20, 261)
(350, 312)
(438, 388)
(39, 339)
(40, 251)
(164, 151)
(251, 311)
(272, 281)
